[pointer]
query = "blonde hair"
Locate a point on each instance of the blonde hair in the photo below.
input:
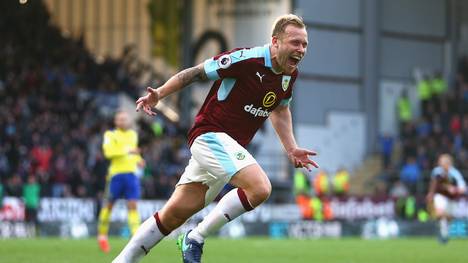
(283, 21)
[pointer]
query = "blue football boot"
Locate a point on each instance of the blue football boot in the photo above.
(191, 249)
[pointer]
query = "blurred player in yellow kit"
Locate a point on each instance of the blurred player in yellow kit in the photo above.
(120, 147)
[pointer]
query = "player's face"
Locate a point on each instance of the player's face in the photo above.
(292, 47)
(445, 163)
(122, 121)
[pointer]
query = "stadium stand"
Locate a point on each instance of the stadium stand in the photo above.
(441, 128)
(55, 103)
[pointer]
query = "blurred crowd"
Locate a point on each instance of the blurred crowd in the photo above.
(312, 193)
(56, 102)
(440, 127)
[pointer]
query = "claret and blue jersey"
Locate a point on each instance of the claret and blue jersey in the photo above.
(245, 92)
(453, 176)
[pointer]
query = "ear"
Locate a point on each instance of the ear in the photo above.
(274, 41)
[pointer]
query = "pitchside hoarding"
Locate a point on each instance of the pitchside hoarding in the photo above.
(66, 209)
(73, 217)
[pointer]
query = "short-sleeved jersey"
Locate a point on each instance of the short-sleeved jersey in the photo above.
(245, 92)
(116, 146)
(452, 177)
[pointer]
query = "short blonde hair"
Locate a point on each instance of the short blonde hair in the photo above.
(283, 21)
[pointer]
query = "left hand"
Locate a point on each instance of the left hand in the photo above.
(300, 158)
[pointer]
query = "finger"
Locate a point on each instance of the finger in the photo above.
(307, 161)
(308, 152)
(297, 163)
(140, 99)
(315, 164)
(139, 105)
(146, 109)
(149, 111)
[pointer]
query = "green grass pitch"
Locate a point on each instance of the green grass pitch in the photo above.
(255, 250)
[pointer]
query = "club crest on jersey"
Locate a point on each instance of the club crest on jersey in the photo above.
(285, 82)
(224, 61)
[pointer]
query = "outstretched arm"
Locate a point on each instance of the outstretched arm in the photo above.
(282, 122)
(432, 190)
(174, 84)
(430, 196)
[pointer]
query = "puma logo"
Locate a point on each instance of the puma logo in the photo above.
(260, 76)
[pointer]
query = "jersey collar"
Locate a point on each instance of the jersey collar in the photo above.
(267, 55)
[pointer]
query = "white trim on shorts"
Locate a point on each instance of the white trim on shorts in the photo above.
(216, 157)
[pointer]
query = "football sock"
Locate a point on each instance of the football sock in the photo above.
(146, 237)
(103, 224)
(444, 231)
(133, 220)
(232, 205)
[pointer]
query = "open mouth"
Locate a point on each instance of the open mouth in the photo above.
(294, 60)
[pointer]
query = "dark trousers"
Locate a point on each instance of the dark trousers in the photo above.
(31, 214)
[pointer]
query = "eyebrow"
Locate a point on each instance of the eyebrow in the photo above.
(297, 39)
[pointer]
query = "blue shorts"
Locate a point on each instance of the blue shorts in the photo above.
(125, 185)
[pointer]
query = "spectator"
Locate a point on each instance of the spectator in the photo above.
(424, 91)
(455, 125)
(13, 187)
(424, 128)
(60, 176)
(410, 174)
(301, 183)
(404, 108)
(399, 190)
(438, 85)
(31, 195)
(341, 182)
(40, 156)
(386, 142)
(321, 184)
(422, 158)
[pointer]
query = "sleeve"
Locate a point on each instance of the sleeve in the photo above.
(459, 179)
(110, 147)
(436, 172)
(226, 65)
(286, 101)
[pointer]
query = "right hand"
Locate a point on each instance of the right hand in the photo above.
(147, 102)
(134, 151)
